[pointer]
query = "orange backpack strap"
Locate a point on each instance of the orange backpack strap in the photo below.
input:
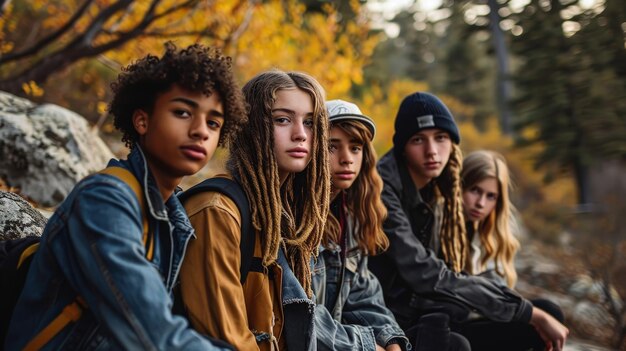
(73, 311)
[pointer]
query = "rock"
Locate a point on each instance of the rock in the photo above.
(582, 345)
(46, 149)
(593, 290)
(591, 319)
(584, 287)
(18, 218)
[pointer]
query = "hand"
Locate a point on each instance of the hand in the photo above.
(379, 348)
(550, 330)
(393, 347)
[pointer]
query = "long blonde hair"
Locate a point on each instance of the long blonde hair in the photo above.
(363, 198)
(496, 230)
(293, 214)
(452, 236)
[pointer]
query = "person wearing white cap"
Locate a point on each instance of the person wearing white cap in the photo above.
(350, 312)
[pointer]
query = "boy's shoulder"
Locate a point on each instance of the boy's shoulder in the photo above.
(387, 167)
(102, 190)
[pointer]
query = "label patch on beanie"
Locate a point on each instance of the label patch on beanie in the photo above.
(425, 121)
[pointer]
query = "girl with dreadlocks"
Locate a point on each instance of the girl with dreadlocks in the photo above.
(426, 230)
(280, 160)
(490, 223)
(350, 312)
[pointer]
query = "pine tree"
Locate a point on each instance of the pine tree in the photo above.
(570, 94)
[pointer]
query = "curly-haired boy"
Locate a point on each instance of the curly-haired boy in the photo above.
(173, 111)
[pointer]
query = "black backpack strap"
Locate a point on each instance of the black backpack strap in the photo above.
(233, 190)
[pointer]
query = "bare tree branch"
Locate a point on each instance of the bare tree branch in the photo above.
(49, 39)
(82, 46)
(163, 34)
(180, 6)
(236, 34)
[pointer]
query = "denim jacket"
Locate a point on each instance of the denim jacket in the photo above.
(350, 312)
(298, 310)
(92, 247)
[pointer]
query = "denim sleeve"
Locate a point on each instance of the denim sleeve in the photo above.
(366, 306)
(429, 276)
(106, 266)
(332, 335)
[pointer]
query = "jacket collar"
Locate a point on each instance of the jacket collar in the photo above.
(136, 163)
(292, 290)
(396, 173)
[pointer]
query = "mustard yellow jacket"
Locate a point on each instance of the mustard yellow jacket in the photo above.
(248, 316)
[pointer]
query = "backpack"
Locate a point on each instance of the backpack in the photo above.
(233, 190)
(15, 259)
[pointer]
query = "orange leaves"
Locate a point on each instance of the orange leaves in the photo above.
(31, 88)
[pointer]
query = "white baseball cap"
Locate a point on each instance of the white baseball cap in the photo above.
(340, 110)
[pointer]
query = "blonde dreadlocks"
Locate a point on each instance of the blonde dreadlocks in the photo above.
(452, 235)
(295, 213)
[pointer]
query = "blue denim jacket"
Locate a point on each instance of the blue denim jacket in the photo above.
(298, 310)
(350, 312)
(92, 246)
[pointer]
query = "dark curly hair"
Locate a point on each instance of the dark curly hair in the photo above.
(196, 68)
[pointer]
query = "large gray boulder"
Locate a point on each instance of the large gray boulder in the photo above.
(18, 219)
(46, 149)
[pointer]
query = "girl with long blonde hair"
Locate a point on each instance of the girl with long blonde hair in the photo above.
(280, 162)
(489, 215)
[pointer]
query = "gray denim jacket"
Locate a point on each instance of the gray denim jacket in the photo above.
(351, 312)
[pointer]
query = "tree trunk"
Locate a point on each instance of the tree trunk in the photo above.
(503, 85)
(581, 173)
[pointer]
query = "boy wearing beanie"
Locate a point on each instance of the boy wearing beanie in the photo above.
(428, 246)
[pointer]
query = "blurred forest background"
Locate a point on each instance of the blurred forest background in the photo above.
(541, 81)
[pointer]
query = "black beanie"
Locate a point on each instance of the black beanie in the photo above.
(421, 111)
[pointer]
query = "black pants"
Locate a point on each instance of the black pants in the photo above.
(485, 335)
(432, 333)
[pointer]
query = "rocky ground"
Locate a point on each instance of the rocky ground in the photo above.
(556, 274)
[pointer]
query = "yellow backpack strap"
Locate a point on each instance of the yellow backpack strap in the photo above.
(73, 311)
(127, 177)
(29, 251)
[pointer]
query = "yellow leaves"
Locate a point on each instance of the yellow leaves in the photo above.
(282, 35)
(6, 25)
(31, 88)
(6, 47)
(101, 107)
(259, 36)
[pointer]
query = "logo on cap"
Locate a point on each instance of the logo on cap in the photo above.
(425, 121)
(338, 110)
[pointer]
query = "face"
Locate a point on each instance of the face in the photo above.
(426, 153)
(292, 116)
(346, 158)
(480, 199)
(182, 133)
